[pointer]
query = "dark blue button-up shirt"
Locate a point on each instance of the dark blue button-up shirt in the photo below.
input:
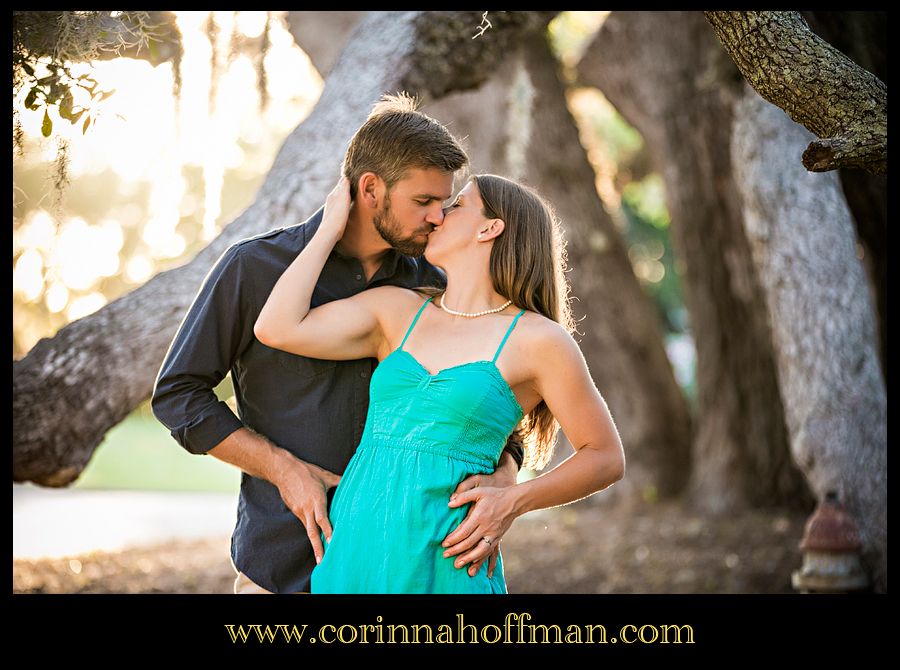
(316, 409)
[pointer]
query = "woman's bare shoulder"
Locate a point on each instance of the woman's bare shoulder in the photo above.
(539, 328)
(544, 339)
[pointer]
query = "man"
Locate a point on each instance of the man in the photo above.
(301, 418)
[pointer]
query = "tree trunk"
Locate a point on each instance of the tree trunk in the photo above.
(322, 35)
(72, 388)
(817, 85)
(867, 198)
(821, 315)
(621, 334)
(518, 125)
(667, 74)
(863, 37)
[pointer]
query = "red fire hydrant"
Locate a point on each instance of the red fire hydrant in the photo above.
(830, 547)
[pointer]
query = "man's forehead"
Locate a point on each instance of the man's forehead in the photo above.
(427, 182)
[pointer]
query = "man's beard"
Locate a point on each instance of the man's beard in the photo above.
(389, 229)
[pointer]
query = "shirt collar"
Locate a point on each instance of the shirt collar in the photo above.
(389, 264)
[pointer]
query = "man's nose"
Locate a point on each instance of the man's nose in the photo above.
(436, 216)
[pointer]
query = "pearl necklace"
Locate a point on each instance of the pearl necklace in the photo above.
(472, 315)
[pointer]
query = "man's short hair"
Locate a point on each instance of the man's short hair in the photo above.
(397, 137)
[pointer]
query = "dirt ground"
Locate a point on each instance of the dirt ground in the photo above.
(583, 548)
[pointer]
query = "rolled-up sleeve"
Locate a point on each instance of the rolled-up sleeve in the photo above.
(216, 329)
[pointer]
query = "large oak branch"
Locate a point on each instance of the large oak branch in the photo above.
(817, 85)
(72, 388)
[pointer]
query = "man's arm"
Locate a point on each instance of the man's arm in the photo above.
(209, 339)
(513, 452)
(302, 485)
(217, 328)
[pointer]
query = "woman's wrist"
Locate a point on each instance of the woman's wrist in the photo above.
(518, 498)
(327, 235)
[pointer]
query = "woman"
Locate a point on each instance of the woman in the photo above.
(459, 371)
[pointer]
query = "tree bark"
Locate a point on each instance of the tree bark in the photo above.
(863, 37)
(72, 388)
(322, 35)
(666, 73)
(620, 335)
(821, 315)
(818, 86)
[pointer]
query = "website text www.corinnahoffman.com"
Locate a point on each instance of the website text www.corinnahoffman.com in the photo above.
(515, 628)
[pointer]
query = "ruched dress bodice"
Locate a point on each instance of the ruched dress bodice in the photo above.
(424, 434)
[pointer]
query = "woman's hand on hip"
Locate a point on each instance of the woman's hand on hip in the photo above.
(478, 537)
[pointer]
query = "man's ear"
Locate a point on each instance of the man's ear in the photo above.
(371, 189)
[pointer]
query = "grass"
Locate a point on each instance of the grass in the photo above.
(139, 453)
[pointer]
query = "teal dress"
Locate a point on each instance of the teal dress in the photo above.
(424, 434)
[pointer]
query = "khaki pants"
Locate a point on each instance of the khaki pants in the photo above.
(243, 585)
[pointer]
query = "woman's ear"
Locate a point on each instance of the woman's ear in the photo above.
(491, 229)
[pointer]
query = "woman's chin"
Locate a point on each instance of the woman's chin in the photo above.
(431, 254)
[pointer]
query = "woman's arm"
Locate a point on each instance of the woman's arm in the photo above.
(564, 382)
(338, 330)
(562, 379)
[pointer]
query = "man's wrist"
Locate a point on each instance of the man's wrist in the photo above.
(515, 449)
(279, 461)
(507, 468)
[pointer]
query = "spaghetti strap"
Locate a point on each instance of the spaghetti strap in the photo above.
(414, 323)
(508, 333)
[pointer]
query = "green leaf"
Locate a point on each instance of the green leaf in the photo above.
(65, 106)
(76, 116)
(31, 97)
(47, 125)
(105, 94)
(87, 122)
(28, 69)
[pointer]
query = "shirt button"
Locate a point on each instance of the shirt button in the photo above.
(358, 277)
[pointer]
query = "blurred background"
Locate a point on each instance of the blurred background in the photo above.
(174, 152)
